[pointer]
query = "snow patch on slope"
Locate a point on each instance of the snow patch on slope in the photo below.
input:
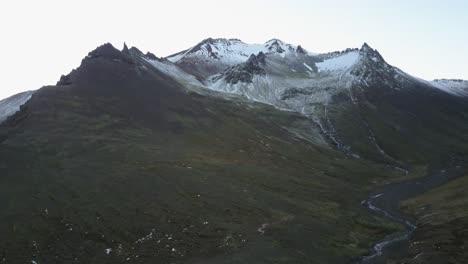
(175, 72)
(342, 62)
(308, 67)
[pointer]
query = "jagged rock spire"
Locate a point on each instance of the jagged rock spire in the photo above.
(260, 58)
(300, 50)
(371, 53)
(125, 48)
(366, 46)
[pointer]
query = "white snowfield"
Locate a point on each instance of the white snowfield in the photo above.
(342, 62)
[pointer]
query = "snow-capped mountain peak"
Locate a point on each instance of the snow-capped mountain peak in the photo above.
(300, 83)
(366, 47)
(232, 51)
(212, 56)
(278, 46)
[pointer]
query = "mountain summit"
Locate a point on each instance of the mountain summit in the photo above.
(215, 55)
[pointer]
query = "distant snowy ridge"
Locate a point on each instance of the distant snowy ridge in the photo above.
(455, 87)
(11, 105)
(233, 51)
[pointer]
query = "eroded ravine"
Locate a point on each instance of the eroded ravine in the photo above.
(386, 202)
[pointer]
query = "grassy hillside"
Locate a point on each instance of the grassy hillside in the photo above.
(118, 163)
(412, 126)
(442, 218)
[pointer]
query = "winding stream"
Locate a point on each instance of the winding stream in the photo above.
(386, 202)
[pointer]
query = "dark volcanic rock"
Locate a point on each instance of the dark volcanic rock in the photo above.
(371, 53)
(259, 59)
(125, 48)
(64, 80)
(151, 56)
(300, 50)
(106, 50)
(246, 71)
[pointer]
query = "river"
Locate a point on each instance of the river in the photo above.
(385, 201)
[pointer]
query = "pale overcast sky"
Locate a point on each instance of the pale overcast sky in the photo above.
(40, 40)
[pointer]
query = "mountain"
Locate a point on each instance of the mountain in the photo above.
(120, 162)
(226, 152)
(343, 92)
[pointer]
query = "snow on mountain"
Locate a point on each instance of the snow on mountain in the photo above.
(455, 87)
(286, 76)
(229, 50)
(301, 83)
(11, 105)
(289, 83)
(280, 47)
(341, 62)
(232, 51)
(173, 71)
(294, 94)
